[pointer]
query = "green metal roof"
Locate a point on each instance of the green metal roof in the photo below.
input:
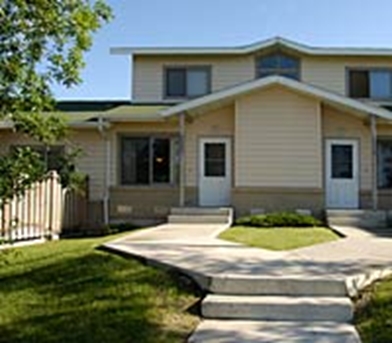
(122, 113)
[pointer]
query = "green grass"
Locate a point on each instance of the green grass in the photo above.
(66, 291)
(278, 238)
(374, 313)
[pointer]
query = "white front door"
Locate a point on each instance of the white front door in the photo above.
(342, 181)
(214, 171)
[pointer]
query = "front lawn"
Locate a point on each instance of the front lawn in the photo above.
(66, 291)
(374, 313)
(278, 238)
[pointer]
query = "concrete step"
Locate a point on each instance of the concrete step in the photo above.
(199, 219)
(259, 285)
(277, 308)
(240, 331)
(212, 211)
(361, 218)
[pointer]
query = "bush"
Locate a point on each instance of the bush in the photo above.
(279, 219)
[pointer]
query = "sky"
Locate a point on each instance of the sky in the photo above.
(361, 23)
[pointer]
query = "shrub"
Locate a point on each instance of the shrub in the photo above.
(279, 219)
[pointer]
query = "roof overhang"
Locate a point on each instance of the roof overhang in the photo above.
(247, 49)
(322, 95)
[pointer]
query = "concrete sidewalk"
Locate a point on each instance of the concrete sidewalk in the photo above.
(339, 268)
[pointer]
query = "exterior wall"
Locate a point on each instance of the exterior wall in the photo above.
(218, 122)
(269, 199)
(328, 72)
(90, 162)
(226, 71)
(141, 202)
(331, 72)
(92, 159)
(337, 124)
(144, 203)
(278, 141)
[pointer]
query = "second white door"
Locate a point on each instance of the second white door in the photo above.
(214, 171)
(342, 181)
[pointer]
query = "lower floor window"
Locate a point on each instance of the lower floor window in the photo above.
(384, 163)
(52, 155)
(148, 160)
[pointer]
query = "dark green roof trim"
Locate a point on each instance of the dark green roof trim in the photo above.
(89, 105)
(100, 105)
(387, 107)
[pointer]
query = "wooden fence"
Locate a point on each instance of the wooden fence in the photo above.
(45, 210)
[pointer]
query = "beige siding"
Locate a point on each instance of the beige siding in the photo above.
(338, 124)
(226, 71)
(216, 123)
(91, 160)
(278, 140)
(330, 72)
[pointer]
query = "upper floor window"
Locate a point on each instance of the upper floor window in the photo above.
(371, 84)
(187, 82)
(278, 64)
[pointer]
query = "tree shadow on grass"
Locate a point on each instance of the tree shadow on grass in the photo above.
(96, 298)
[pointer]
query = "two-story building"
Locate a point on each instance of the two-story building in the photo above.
(275, 125)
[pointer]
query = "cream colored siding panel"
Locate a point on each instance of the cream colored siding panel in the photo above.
(278, 140)
(90, 162)
(337, 124)
(148, 75)
(92, 159)
(331, 72)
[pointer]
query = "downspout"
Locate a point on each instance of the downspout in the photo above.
(373, 129)
(182, 159)
(105, 195)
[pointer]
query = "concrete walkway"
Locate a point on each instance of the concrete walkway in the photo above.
(339, 268)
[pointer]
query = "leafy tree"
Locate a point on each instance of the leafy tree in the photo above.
(41, 43)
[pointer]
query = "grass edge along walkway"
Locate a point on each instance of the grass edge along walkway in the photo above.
(278, 238)
(373, 315)
(68, 291)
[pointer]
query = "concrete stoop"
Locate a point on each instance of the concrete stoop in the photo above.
(357, 218)
(239, 331)
(277, 308)
(200, 215)
(262, 285)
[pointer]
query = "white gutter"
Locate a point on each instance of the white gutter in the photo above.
(102, 128)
